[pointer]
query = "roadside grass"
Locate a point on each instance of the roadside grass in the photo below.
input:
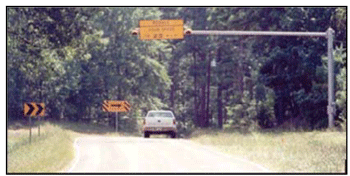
(53, 150)
(79, 129)
(291, 152)
(279, 151)
(50, 152)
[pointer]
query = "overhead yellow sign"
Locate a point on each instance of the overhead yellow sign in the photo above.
(152, 23)
(161, 29)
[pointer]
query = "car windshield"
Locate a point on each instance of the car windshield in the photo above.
(160, 114)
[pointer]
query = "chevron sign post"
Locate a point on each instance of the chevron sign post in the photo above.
(33, 109)
(115, 106)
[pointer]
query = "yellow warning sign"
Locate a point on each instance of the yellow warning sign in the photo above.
(34, 109)
(161, 29)
(115, 106)
(152, 23)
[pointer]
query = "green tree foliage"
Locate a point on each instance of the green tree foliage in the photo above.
(42, 45)
(301, 96)
(74, 58)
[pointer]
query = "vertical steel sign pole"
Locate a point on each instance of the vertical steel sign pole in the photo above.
(30, 129)
(329, 34)
(331, 104)
(41, 100)
(39, 126)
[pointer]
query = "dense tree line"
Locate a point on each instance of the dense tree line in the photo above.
(74, 58)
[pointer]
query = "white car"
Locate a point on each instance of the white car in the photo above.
(159, 122)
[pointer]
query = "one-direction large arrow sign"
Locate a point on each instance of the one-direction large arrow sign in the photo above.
(34, 109)
(115, 106)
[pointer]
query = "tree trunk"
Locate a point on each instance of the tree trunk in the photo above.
(220, 89)
(208, 93)
(241, 77)
(173, 72)
(203, 112)
(241, 71)
(225, 115)
(110, 118)
(196, 118)
(172, 95)
(219, 102)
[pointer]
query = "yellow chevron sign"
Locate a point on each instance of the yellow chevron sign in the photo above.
(115, 106)
(34, 109)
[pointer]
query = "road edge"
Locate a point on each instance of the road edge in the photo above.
(214, 150)
(76, 157)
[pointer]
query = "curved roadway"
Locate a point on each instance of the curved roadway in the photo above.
(153, 155)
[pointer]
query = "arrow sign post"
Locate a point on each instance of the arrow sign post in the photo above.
(33, 109)
(115, 106)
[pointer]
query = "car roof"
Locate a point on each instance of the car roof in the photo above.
(160, 111)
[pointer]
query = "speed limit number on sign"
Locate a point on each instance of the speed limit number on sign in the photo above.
(161, 29)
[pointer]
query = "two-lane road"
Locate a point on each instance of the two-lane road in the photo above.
(139, 155)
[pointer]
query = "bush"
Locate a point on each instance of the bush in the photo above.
(263, 119)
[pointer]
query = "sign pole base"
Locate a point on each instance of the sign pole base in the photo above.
(39, 126)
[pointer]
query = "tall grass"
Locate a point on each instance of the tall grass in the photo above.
(306, 152)
(53, 151)
(50, 152)
(301, 152)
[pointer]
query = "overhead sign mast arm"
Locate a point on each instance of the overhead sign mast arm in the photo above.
(263, 33)
(150, 26)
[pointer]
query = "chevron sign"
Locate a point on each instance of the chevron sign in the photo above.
(34, 109)
(115, 106)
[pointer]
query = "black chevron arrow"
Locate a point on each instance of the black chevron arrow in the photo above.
(31, 109)
(40, 109)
